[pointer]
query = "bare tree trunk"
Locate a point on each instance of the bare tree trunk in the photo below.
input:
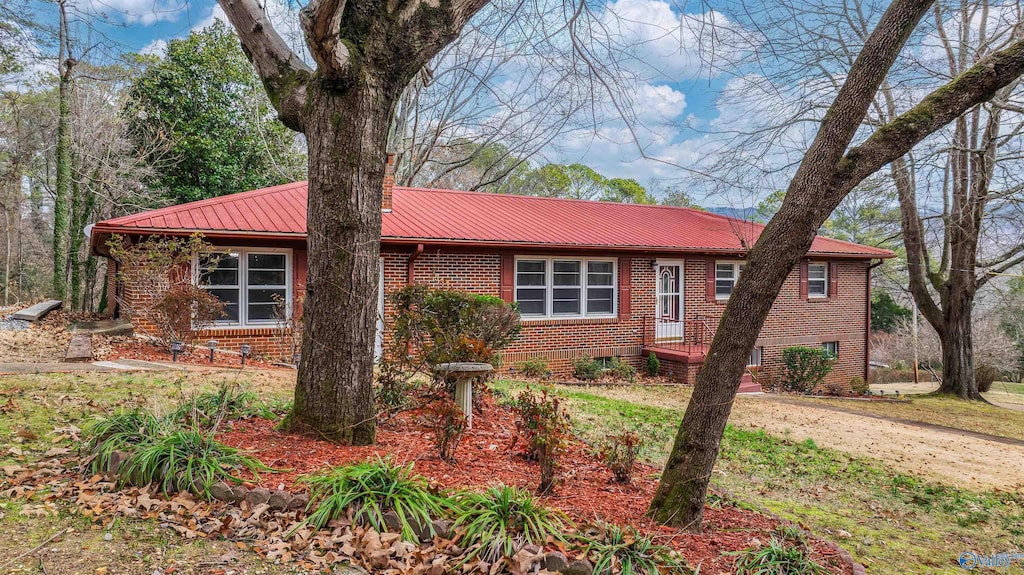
(957, 350)
(365, 57)
(347, 138)
(829, 171)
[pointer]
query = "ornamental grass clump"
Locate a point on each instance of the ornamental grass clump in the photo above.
(188, 460)
(626, 552)
(123, 431)
(499, 521)
(779, 557)
(206, 410)
(371, 489)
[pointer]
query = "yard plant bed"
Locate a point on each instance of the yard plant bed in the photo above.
(586, 491)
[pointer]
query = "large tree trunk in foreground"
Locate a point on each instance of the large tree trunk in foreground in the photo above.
(346, 158)
(365, 54)
(827, 174)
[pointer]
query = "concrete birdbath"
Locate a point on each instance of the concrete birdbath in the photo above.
(464, 373)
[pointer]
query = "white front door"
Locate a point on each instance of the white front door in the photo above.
(669, 313)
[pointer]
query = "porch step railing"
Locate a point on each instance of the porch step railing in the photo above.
(689, 335)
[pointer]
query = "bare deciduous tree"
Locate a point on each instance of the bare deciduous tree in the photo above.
(365, 57)
(831, 167)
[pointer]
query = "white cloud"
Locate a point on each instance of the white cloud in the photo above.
(157, 47)
(144, 12)
(673, 45)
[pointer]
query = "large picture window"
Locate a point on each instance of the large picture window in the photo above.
(565, 287)
(253, 283)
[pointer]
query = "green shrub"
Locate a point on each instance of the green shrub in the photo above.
(632, 552)
(778, 557)
(230, 401)
(536, 367)
(587, 368)
(371, 489)
(123, 431)
(621, 370)
(858, 385)
(394, 386)
(187, 461)
(500, 520)
(444, 326)
(985, 375)
(619, 454)
(653, 366)
(545, 427)
(804, 368)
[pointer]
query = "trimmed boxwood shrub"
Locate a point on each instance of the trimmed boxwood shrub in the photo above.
(804, 368)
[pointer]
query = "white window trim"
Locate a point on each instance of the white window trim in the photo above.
(760, 356)
(243, 284)
(735, 276)
(549, 268)
(825, 344)
(818, 295)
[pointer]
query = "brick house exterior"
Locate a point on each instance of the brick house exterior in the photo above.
(592, 279)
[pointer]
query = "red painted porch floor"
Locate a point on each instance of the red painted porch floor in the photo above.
(694, 354)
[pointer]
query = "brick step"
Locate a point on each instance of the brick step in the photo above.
(748, 385)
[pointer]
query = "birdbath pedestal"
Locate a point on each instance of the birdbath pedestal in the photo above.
(464, 373)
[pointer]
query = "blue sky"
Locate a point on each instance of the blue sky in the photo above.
(674, 97)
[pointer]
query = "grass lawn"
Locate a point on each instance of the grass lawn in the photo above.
(37, 414)
(891, 522)
(940, 410)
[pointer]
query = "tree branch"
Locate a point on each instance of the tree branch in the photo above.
(283, 73)
(898, 137)
(321, 22)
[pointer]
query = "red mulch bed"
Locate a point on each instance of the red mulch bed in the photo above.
(134, 348)
(486, 456)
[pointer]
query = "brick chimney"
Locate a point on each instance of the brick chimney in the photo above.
(387, 192)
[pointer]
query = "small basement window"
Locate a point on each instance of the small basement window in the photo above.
(832, 347)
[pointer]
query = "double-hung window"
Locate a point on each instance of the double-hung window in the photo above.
(817, 280)
(726, 276)
(254, 284)
(565, 287)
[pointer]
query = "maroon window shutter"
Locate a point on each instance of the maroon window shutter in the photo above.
(803, 279)
(508, 263)
(709, 280)
(833, 280)
(625, 286)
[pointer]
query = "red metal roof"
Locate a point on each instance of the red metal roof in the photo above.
(475, 218)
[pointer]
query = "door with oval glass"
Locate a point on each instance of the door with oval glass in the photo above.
(669, 301)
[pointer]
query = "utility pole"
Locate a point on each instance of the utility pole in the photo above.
(914, 338)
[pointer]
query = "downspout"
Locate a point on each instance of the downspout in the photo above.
(867, 323)
(409, 273)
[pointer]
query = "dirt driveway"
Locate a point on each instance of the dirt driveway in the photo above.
(946, 456)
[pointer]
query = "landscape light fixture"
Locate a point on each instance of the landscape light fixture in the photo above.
(212, 344)
(246, 350)
(176, 347)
